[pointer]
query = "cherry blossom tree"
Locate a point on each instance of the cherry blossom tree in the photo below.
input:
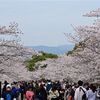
(88, 37)
(11, 49)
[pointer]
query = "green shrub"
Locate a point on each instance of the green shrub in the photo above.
(44, 66)
(36, 58)
(30, 66)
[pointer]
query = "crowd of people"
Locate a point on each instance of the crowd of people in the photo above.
(49, 90)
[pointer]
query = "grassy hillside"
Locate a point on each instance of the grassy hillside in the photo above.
(30, 64)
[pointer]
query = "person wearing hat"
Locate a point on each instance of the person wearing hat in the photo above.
(8, 95)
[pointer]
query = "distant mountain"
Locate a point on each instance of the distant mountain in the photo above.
(59, 50)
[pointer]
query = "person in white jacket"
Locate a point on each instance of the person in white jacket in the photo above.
(79, 92)
(91, 93)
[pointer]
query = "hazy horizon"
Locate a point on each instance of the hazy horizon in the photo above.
(51, 45)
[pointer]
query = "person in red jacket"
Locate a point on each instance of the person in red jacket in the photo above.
(29, 94)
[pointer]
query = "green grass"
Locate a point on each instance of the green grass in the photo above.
(30, 64)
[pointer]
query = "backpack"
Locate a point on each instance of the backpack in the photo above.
(8, 97)
(84, 97)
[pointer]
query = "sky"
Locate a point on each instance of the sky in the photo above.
(43, 22)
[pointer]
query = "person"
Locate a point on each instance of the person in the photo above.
(29, 94)
(4, 86)
(61, 93)
(8, 95)
(98, 94)
(66, 93)
(42, 93)
(53, 94)
(80, 91)
(91, 93)
(16, 91)
(0, 89)
(49, 86)
(23, 89)
(36, 90)
(71, 93)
